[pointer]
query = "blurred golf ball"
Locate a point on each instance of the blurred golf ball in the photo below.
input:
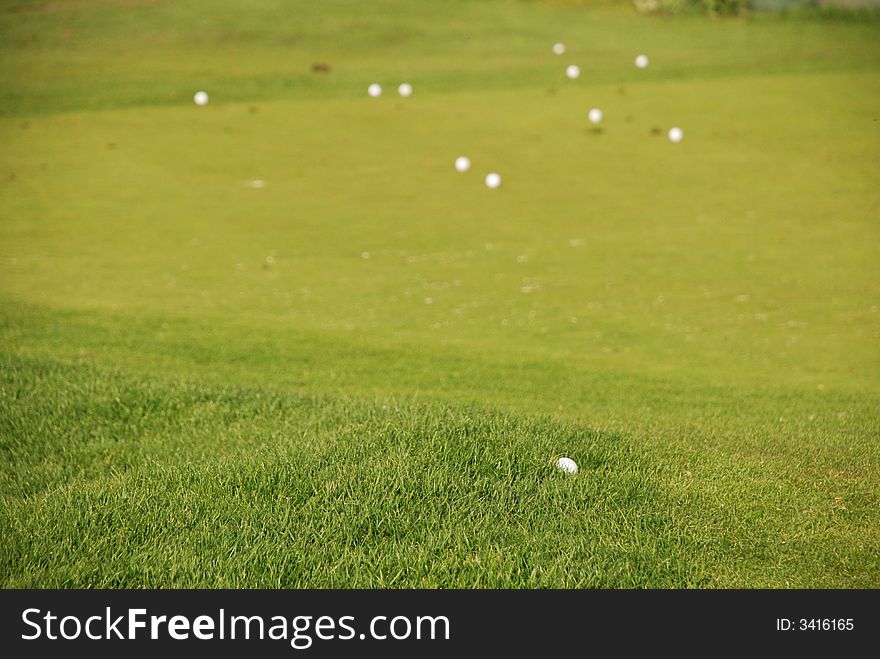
(567, 465)
(675, 134)
(201, 98)
(374, 90)
(462, 163)
(559, 48)
(493, 180)
(642, 61)
(405, 89)
(595, 115)
(573, 71)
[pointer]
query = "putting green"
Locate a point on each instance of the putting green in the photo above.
(279, 340)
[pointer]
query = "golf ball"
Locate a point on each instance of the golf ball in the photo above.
(493, 180)
(559, 48)
(567, 465)
(675, 134)
(405, 89)
(462, 163)
(374, 90)
(641, 61)
(573, 71)
(201, 98)
(595, 115)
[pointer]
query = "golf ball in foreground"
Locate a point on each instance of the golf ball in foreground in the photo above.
(573, 71)
(405, 89)
(567, 465)
(559, 48)
(462, 163)
(493, 180)
(595, 115)
(642, 61)
(201, 98)
(374, 90)
(675, 134)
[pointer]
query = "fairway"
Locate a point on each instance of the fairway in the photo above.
(278, 341)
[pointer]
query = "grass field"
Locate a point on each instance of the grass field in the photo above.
(361, 374)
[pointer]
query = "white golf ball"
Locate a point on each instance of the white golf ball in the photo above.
(493, 180)
(573, 71)
(374, 90)
(462, 163)
(641, 61)
(405, 89)
(559, 48)
(675, 134)
(201, 98)
(567, 465)
(595, 115)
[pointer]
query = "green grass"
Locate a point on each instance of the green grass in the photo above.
(361, 374)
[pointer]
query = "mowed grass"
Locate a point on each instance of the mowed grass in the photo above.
(211, 487)
(360, 374)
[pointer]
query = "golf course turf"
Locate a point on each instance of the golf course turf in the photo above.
(279, 341)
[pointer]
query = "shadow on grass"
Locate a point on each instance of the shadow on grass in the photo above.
(116, 481)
